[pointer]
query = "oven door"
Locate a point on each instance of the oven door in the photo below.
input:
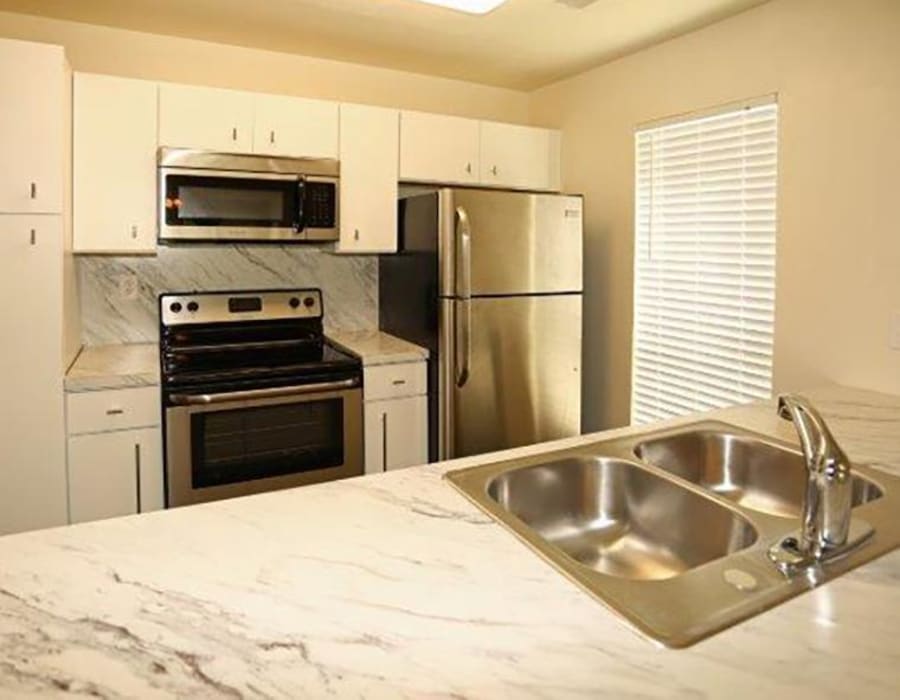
(243, 442)
(210, 205)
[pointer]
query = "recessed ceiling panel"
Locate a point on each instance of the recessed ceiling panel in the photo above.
(520, 44)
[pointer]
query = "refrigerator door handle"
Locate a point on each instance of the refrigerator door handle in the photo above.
(463, 331)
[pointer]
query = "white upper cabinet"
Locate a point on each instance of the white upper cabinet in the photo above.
(114, 164)
(370, 144)
(522, 157)
(438, 148)
(292, 126)
(33, 90)
(206, 118)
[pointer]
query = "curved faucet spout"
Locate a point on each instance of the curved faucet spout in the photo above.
(827, 501)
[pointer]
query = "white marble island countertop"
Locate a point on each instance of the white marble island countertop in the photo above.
(118, 366)
(396, 586)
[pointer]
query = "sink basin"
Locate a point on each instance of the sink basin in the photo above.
(619, 519)
(671, 529)
(754, 473)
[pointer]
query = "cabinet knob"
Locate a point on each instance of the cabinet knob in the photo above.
(33, 190)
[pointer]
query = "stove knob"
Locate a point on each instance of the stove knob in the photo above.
(309, 302)
(192, 306)
(294, 302)
(175, 307)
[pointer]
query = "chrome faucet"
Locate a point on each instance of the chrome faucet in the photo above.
(825, 520)
(826, 527)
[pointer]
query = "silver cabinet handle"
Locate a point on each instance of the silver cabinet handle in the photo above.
(137, 478)
(274, 392)
(463, 335)
(34, 190)
(384, 441)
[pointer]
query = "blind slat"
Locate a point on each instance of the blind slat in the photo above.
(705, 226)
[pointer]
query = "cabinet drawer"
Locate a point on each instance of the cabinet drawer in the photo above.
(100, 411)
(391, 381)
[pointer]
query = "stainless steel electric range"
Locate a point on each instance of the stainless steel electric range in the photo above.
(254, 396)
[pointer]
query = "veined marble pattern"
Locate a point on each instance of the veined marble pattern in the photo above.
(378, 348)
(116, 366)
(394, 585)
(349, 285)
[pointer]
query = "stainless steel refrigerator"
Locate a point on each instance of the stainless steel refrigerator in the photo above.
(491, 283)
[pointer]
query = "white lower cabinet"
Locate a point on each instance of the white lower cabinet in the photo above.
(113, 474)
(396, 416)
(396, 433)
(115, 458)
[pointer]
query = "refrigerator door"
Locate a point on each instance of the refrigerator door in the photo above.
(518, 243)
(518, 379)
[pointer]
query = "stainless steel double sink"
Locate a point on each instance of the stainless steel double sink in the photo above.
(671, 528)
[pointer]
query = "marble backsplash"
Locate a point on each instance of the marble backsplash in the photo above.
(119, 294)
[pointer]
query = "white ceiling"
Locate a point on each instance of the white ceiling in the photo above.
(523, 44)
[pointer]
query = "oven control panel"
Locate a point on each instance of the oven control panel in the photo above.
(233, 307)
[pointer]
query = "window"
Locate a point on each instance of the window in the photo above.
(704, 291)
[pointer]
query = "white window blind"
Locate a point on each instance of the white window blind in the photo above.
(704, 262)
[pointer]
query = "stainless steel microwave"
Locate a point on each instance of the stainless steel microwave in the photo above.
(225, 197)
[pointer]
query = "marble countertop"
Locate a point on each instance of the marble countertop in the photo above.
(378, 348)
(101, 367)
(394, 585)
(114, 367)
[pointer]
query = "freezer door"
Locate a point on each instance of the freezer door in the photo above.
(517, 380)
(519, 243)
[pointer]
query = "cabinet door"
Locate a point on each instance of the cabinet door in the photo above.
(103, 474)
(32, 431)
(516, 156)
(114, 474)
(114, 164)
(150, 469)
(437, 148)
(32, 127)
(291, 126)
(396, 433)
(374, 417)
(369, 169)
(206, 118)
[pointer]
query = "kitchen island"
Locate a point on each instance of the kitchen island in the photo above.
(395, 585)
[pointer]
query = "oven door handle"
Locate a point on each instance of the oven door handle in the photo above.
(274, 392)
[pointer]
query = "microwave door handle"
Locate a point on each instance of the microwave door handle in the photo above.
(300, 223)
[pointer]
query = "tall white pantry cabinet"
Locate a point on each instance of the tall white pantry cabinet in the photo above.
(35, 91)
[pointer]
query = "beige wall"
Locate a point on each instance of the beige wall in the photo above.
(835, 65)
(135, 54)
